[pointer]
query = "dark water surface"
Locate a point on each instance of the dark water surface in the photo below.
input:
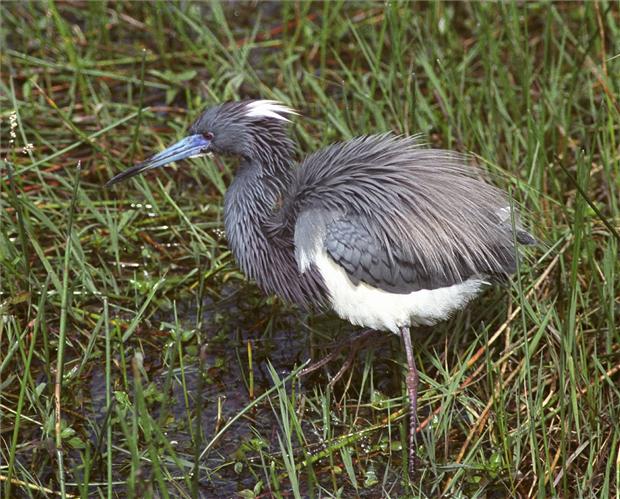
(228, 326)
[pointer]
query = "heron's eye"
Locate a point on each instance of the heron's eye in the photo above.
(208, 135)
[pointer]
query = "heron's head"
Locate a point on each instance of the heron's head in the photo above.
(246, 128)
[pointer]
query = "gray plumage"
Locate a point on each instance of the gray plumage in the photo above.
(384, 231)
(422, 217)
(393, 214)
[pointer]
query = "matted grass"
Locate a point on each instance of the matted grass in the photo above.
(136, 360)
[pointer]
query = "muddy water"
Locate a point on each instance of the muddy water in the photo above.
(228, 326)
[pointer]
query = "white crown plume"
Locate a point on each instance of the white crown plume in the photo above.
(269, 109)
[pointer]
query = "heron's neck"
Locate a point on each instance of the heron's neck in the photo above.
(261, 180)
(249, 203)
(259, 185)
(250, 199)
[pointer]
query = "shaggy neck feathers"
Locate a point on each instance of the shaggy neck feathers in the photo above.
(255, 194)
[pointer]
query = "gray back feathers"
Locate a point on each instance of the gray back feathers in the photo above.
(391, 213)
(403, 217)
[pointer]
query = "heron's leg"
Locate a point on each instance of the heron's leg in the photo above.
(412, 389)
(345, 366)
(355, 342)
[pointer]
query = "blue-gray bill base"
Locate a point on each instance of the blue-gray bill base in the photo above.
(387, 233)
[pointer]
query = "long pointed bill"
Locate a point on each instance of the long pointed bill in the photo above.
(194, 145)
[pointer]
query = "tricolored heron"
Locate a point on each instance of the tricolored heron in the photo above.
(388, 234)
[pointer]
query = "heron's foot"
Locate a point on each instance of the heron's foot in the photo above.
(354, 344)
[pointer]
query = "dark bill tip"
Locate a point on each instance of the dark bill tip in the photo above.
(185, 148)
(130, 172)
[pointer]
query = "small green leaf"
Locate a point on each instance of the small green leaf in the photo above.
(76, 443)
(370, 477)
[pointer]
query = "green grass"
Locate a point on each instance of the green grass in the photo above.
(135, 358)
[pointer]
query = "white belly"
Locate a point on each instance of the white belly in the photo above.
(371, 307)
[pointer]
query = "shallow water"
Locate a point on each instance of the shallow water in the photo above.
(285, 345)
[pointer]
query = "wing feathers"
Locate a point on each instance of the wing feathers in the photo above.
(417, 215)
